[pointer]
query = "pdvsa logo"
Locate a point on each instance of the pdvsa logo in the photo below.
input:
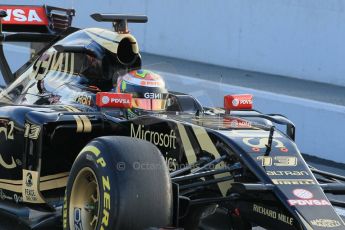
(114, 100)
(120, 101)
(25, 15)
(239, 101)
(20, 15)
(107, 100)
(306, 198)
(303, 193)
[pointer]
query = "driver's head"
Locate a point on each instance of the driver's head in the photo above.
(147, 89)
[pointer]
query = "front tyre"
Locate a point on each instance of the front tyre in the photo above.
(118, 183)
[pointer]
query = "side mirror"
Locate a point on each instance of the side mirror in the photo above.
(238, 102)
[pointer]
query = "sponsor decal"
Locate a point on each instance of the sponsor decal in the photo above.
(293, 181)
(105, 213)
(309, 202)
(153, 95)
(325, 223)
(48, 182)
(303, 193)
(235, 102)
(77, 219)
(287, 173)
(114, 100)
(84, 100)
(119, 100)
(277, 161)
(28, 181)
(171, 163)
(30, 189)
(4, 196)
(7, 128)
(105, 100)
(246, 102)
(149, 80)
(151, 83)
(238, 123)
(156, 138)
(240, 101)
(273, 214)
(25, 15)
(306, 199)
(17, 198)
(54, 61)
(32, 131)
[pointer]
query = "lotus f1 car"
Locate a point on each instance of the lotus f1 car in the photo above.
(72, 157)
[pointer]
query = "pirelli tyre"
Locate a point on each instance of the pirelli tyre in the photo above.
(118, 183)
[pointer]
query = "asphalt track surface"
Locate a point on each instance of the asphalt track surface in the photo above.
(266, 82)
(272, 83)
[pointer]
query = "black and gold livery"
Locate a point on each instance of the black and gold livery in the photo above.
(50, 124)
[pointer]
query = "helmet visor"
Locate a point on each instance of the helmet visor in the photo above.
(149, 104)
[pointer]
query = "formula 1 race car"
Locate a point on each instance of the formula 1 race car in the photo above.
(77, 153)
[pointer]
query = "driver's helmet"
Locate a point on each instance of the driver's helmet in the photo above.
(147, 89)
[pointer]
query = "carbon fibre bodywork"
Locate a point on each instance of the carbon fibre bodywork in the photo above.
(238, 161)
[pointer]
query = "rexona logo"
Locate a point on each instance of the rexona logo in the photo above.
(306, 199)
(25, 15)
(114, 100)
(156, 138)
(325, 223)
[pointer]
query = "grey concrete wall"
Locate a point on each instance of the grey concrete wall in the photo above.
(297, 38)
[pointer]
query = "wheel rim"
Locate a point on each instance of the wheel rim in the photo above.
(84, 201)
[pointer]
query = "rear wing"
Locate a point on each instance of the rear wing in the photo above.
(41, 19)
(31, 23)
